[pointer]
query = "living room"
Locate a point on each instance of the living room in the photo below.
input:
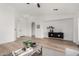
(23, 21)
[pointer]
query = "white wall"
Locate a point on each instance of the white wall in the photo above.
(68, 26)
(39, 32)
(23, 26)
(7, 24)
(75, 30)
(78, 31)
(61, 25)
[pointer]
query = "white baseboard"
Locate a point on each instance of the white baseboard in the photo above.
(4, 42)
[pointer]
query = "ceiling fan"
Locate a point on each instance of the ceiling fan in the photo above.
(38, 5)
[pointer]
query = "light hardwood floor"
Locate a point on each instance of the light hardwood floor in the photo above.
(52, 43)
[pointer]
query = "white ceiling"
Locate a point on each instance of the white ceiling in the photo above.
(46, 9)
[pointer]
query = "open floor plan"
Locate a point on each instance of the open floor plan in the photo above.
(39, 29)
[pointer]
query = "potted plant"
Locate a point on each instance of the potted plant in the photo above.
(28, 43)
(50, 28)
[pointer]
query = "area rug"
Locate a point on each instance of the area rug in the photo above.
(45, 52)
(51, 52)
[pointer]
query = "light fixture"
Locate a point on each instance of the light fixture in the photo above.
(38, 4)
(55, 9)
(27, 3)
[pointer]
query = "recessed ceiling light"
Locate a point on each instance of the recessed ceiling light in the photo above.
(27, 3)
(55, 9)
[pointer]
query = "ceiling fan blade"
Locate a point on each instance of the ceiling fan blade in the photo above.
(38, 5)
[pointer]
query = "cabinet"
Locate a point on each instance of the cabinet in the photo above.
(56, 34)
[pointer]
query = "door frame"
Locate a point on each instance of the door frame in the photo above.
(33, 29)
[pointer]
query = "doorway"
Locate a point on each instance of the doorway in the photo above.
(33, 29)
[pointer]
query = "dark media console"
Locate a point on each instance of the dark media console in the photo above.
(56, 34)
